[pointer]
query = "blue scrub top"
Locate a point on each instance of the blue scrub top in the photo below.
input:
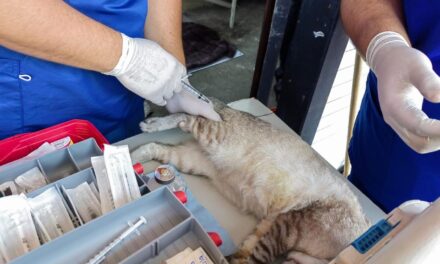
(56, 93)
(383, 166)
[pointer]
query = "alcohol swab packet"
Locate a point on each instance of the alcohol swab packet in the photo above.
(31, 180)
(121, 176)
(198, 256)
(50, 214)
(177, 259)
(105, 193)
(85, 202)
(18, 235)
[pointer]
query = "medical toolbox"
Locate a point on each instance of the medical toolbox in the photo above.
(168, 229)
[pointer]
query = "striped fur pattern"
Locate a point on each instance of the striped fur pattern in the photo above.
(307, 212)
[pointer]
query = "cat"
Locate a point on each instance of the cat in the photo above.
(307, 212)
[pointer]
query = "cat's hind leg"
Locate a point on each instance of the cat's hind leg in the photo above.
(251, 241)
(188, 157)
(265, 248)
(314, 230)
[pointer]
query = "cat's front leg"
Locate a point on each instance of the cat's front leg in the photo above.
(188, 157)
(147, 152)
(155, 124)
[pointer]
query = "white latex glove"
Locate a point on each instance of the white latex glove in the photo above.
(185, 101)
(148, 70)
(405, 76)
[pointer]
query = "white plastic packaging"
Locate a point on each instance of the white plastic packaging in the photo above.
(94, 190)
(105, 193)
(18, 235)
(50, 214)
(85, 202)
(31, 180)
(121, 176)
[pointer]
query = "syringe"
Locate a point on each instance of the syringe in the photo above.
(101, 255)
(193, 90)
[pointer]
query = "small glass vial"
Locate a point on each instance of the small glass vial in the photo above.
(168, 175)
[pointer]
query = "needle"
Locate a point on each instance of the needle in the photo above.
(193, 90)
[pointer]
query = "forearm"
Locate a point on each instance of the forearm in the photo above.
(164, 26)
(364, 19)
(54, 31)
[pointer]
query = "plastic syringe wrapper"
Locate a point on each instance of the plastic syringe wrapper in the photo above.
(31, 180)
(95, 191)
(121, 176)
(18, 235)
(50, 214)
(85, 202)
(105, 192)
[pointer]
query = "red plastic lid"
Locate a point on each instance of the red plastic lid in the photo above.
(19, 146)
(181, 195)
(138, 168)
(216, 238)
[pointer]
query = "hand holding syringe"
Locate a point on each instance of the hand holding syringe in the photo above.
(191, 101)
(188, 87)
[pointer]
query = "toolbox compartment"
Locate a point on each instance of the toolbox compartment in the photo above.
(170, 226)
(187, 234)
(82, 151)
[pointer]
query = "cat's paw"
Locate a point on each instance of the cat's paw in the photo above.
(152, 124)
(143, 153)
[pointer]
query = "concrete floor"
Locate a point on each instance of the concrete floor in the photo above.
(232, 80)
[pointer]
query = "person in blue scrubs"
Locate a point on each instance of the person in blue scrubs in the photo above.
(95, 60)
(395, 146)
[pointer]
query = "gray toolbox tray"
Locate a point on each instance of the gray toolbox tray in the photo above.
(170, 227)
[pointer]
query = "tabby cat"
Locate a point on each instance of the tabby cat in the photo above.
(307, 212)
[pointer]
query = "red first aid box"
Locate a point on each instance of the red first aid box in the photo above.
(19, 146)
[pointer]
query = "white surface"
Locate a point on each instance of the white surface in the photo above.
(238, 224)
(251, 106)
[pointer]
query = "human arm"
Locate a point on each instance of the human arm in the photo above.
(54, 31)
(405, 75)
(364, 19)
(164, 26)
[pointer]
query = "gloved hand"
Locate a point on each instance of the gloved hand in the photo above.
(405, 76)
(185, 101)
(148, 70)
